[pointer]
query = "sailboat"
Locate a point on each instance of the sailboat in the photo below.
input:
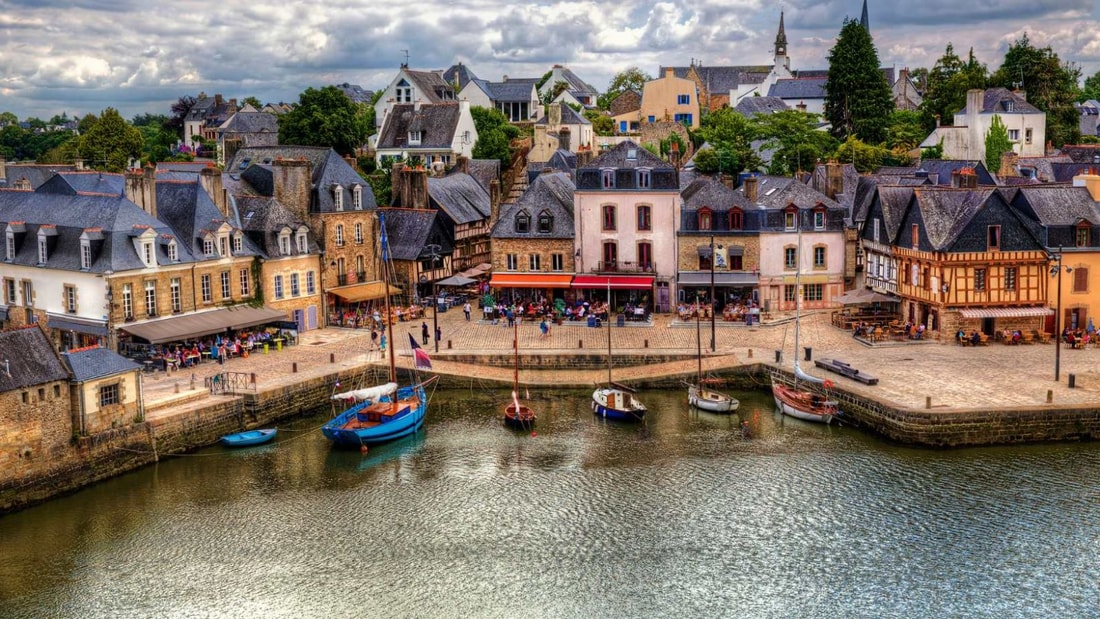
(385, 412)
(699, 395)
(793, 400)
(615, 401)
(516, 413)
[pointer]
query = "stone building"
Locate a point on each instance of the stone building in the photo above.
(105, 390)
(718, 241)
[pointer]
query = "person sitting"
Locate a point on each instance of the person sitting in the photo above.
(975, 339)
(1016, 336)
(960, 336)
(919, 333)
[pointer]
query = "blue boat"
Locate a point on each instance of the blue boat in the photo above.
(249, 438)
(378, 415)
(615, 401)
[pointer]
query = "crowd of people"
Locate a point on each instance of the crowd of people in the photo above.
(216, 348)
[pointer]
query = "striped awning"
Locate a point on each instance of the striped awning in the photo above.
(1006, 312)
(531, 280)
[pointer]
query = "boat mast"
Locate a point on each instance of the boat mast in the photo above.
(386, 296)
(515, 373)
(699, 337)
(797, 291)
(609, 332)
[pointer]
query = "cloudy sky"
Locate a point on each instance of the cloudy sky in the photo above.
(80, 56)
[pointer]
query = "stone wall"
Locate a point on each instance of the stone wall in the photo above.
(35, 428)
(523, 248)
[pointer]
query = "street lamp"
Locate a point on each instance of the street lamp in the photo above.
(1056, 270)
(434, 252)
(713, 306)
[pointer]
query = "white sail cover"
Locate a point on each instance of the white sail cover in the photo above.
(371, 393)
(806, 377)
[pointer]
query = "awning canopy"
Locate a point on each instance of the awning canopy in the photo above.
(456, 280)
(616, 282)
(1006, 312)
(190, 326)
(726, 278)
(367, 291)
(531, 280)
(477, 271)
(863, 296)
(71, 323)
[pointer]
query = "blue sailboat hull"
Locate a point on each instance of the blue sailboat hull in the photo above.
(248, 438)
(601, 405)
(358, 425)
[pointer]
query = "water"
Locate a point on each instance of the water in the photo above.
(680, 517)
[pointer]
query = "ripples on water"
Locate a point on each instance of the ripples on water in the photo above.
(679, 517)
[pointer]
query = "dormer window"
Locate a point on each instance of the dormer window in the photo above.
(403, 92)
(85, 254)
(1082, 235)
(238, 243)
(9, 245)
(284, 243)
(302, 241)
(644, 179)
(147, 255)
(173, 251)
(414, 137)
(338, 197)
(819, 219)
(737, 219)
(208, 246)
(706, 219)
(523, 223)
(42, 251)
(789, 220)
(357, 197)
(608, 177)
(546, 222)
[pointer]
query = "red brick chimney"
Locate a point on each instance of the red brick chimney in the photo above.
(752, 188)
(293, 184)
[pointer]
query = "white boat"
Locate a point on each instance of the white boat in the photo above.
(699, 395)
(615, 401)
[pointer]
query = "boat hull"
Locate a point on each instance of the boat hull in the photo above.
(805, 405)
(617, 404)
(521, 419)
(345, 431)
(711, 401)
(249, 438)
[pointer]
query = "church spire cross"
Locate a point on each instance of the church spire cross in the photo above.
(863, 20)
(781, 38)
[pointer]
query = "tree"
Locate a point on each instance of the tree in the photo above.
(326, 117)
(110, 143)
(706, 161)
(494, 135)
(1050, 85)
(253, 101)
(948, 82)
(796, 140)
(628, 79)
(865, 157)
(601, 123)
(1091, 89)
(906, 130)
(858, 100)
(996, 144)
(932, 152)
(731, 135)
(179, 113)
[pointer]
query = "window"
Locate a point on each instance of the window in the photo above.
(303, 241)
(610, 255)
(238, 243)
(151, 298)
(706, 221)
(523, 223)
(513, 262)
(295, 289)
(173, 251)
(684, 119)
(979, 279)
(608, 217)
(915, 236)
(874, 234)
(284, 243)
(994, 238)
(227, 292)
(1010, 278)
(736, 261)
(208, 246)
(788, 220)
(9, 246)
(42, 250)
(338, 197)
(207, 295)
(57, 391)
(535, 262)
(85, 254)
(819, 257)
(645, 256)
(108, 395)
(311, 283)
(1081, 279)
(557, 262)
(1027, 136)
(9, 291)
(790, 258)
(245, 283)
(1014, 135)
(819, 220)
(177, 298)
(127, 301)
(651, 119)
(546, 222)
(1082, 235)
(340, 235)
(403, 92)
(357, 197)
(788, 294)
(360, 272)
(683, 99)
(414, 137)
(358, 234)
(644, 179)
(645, 217)
(608, 177)
(70, 299)
(223, 246)
(278, 286)
(737, 219)
(813, 292)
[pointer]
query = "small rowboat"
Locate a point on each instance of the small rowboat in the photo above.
(249, 438)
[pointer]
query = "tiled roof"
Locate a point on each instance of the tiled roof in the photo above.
(485, 171)
(327, 168)
(1004, 101)
(35, 174)
(569, 116)
(459, 73)
(751, 106)
(432, 85)
(90, 182)
(943, 168)
(620, 157)
(437, 124)
(513, 90)
(93, 363)
(30, 358)
(408, 230)
(250, 122)
(355, 93)
(799, 88)
(552, 193)
(626, 101)
(946, 212)
(778, 192)
(460, 196)
(721, 80)
(1058, 205)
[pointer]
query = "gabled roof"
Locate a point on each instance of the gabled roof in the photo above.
(432, 85)
(560, 161)
(1004, 101)
(894, 202)
(89, 183)
(30, 358)
(1058, 205)
(460, 196)
(628, 154)
(191, 213)
(408, 230)
(946, 212)
(943, 168)
(799, 88)
(485, 171)
(779, 192)
(248, 120)
(36, 174)
(92, 363)
(626, 101)
(751, 106)
(721, 80)
(460, 74)
(262, 218)
(355, 93)
(551, 193)
(327, 168)
(713, 194)
(569, 116)
(436, 123)
(576, 84)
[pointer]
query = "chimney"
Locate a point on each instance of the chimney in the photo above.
(141, 189)
(1009, 161)
(752, 188)
(230, 147)
(352, 162)
(801, 107)
(1091, 182)
(670, 72)
(3, 169)
(834, 179)
(974, 102)
(563, 138)
(726, 179)
(210, 178)
(417, 104)
(293, 185)
(217, 99)
(674, 153)
(956, 179)
(494, 202)
(410, 187)
(462, 164)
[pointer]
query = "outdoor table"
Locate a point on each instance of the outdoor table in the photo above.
(278, 343)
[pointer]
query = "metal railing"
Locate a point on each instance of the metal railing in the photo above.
(619, 266)
(230, 382)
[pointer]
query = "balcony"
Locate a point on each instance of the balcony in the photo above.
(624, 267)
(342, 279)
(360, 276)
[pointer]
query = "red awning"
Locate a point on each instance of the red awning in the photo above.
(616, 282)
(530, 280)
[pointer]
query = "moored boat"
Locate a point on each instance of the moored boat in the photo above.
(249, 438)
(517, 414)
(699, 395)
(615, 401)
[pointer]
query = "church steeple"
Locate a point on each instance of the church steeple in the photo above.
(781, 58)
(863, 21)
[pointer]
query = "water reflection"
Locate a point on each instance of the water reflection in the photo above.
(678, 516)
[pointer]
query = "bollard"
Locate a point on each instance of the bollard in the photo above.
(750, 353)
(253, 378)
(1072, 381)
(580, 343)
(294, 367)
(448, 344)
(1050, 396)
(177, 386)
(646, 344)
(779, 356)
(928, 401)
(332, 357)
(809, 353)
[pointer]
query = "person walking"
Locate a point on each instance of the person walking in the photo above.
(382, 344)
(373, 338)
(466, 310)
(438, 334)
(424, 332)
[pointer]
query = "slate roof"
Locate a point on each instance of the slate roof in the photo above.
(460, 196)
(1004, 101)
(512, 90)
(327, 168)
(459, 73)
(778, 192)
(31, 360)
(408, 230)
(576, 84)
(248, 120)
(117, 219)
(90, 183)
(626, 101)
(799, 88)
(356, 93)
(191, 213)
(569, 116)
(551, 192)
(437, 124)
(751, 106)
(618, 157)
(946, 212)
(93, 363)
(1057, 205)
(943, 168)
(721, 80)
(1063, 172)
(485, 171)
(35, 174)
(432, 85)
(263, 218)
(182, 166)
(894, 202)
(560, 161)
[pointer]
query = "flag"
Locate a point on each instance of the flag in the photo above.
(420, 356)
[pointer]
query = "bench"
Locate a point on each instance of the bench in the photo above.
(839, 367)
